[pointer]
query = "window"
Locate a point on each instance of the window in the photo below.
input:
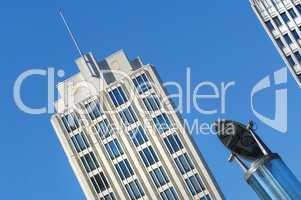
(169, 194)
(124, 169)
(90, 162)
(70, 122)
(207, 197)
(162, 123)
(298, 7)
(99, 182)
(284, 17)
(142, 83)
(159, 177)
(292, 13)
(148, 156)
(270, 25)
(279, 43)
(128, 116)
(104, 129)
(194, 184)
(295, 34)
(134, 190)
(299, 77)
(117, 96)
(80, 142)
(173, 143)
(184, 163)
(93, 109)
(277, 21)
(109, 197)
(114, 149)
(290, 61)
(152, 103)
(138, 136)
(287, 39)
(298, 56)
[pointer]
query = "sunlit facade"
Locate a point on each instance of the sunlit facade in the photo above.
(123, 138)
(282, 21)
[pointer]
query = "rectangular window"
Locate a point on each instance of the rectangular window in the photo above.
(159, 177)
(270, 25)
(104, 129)
(100, 182)
(128, 116)
(152, 103)
(285, 17)
(298, 56)
(184, 163)
(292, 13)
(277, 21)
(142, 83)
(138, 136)
(298, 7)
(109, 197)
(162, 123)
(287, 39)
(93, 109)
(90, 162)
(124, 169)
(117, 96)
(70, 122)
(290, 61)
(194, 184)
(80, 142)
(279, 43)
(114, 149)
(134, 190)
(295, 34)
(169, 194)
(207, 197)
(148, 156)
(173, 143)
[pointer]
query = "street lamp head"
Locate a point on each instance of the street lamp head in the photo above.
(239, 139)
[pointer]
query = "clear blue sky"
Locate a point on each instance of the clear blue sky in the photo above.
(219, 40)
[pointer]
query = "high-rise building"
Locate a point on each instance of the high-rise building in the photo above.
(282, 21)
(123, 138)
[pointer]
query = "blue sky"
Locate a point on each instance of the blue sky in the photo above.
(219, 40)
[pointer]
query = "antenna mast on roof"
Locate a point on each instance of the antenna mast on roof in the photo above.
(71, 35)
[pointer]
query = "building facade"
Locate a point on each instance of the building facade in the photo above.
(282, 21)
(123, 138)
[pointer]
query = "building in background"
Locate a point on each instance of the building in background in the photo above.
(123, 138)
(282, 21)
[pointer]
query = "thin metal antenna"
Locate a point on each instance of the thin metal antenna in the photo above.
(71, 34)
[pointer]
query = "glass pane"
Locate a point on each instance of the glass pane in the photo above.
(162, 123)
(104, 129)
(138, 136)
(142, 83)
(148, 156)
(184, 163)
(128, 116)
(124, 169)
(99, 182)
(114, 149)
(134, 189)
(173, 143)
(90, 162)
(118, 97)
(159, 177)
(80, 142)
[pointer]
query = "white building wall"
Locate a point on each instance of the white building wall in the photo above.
(93, 83)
